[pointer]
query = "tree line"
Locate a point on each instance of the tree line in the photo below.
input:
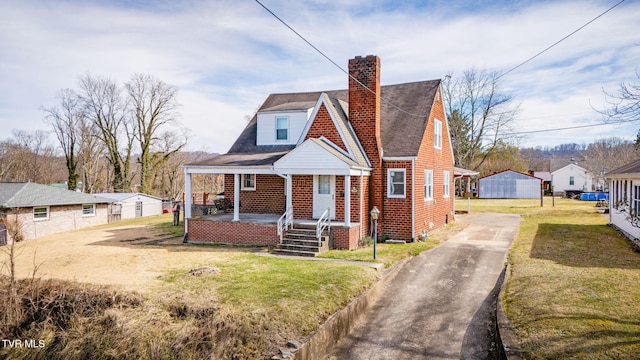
(120, 138)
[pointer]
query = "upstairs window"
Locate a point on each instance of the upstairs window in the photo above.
(437, 134)
(282, 128)
(572, 180)
(248, 181)
(428, 184)
(396, 183)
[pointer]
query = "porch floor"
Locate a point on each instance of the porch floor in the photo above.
(265, 219)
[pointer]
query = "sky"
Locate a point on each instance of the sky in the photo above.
(226, 56)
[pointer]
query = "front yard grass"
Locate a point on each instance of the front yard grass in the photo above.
(389, 254)
(573, 289)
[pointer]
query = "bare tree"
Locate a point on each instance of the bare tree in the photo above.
(107, 110)
(36, 157)
(607, 154)
(154, 106)
(91, 157)
(65, 120)
(479, 114)
(624, 105)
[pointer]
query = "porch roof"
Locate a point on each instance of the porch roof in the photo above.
(312, 157)
(318, 157)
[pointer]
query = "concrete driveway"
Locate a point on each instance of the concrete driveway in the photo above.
(439, 304)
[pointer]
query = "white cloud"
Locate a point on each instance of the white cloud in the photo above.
(227, 56)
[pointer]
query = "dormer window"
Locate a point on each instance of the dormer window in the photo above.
(282, 128)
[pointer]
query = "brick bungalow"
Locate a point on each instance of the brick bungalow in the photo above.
(334, 155)
(41, 210)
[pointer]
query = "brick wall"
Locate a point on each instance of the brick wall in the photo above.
(323, 126)
(345, 238)
(61, 219)
(267, 198)
(433, 214)
(397, 211)
(237, 233)
(302, 197)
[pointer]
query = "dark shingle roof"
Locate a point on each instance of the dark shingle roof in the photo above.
(404, 114)
(631, 168)
(15, 195)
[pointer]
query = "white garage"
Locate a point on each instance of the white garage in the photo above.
(509, 184)
(134, 205)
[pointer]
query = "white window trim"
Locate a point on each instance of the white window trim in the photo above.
(288, 127)
(389, 183)
(429, 185)
(446, 182)
(40, 219)
(242, 181)
(437, 135)
(93, 210)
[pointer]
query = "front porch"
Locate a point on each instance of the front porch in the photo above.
(261, 230)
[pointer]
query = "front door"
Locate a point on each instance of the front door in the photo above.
(324, 195)
(138, 208)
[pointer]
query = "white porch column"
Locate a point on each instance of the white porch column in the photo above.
(236, 197)
(289, 192)
(187, 200)
(347, 200)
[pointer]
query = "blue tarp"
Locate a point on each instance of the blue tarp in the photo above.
(594, 196)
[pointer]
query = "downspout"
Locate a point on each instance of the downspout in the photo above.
(413, 200)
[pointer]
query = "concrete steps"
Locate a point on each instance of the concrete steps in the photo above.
(302, 241)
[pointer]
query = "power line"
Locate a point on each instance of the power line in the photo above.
(338, 66)
(568, 127)
(559, 41)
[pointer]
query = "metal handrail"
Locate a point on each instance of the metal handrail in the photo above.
(323, 223)
(284, 222)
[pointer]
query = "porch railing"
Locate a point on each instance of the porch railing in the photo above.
(323, 223)
(285, 222)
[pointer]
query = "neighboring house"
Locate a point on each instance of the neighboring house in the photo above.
(571, 179)
(134, 205)
(509, 184)
(43, 210)
(339, 154)
(624, 195)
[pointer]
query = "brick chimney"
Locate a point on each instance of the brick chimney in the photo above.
(364, 115)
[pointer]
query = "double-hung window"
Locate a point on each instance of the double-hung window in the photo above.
(572, 180)
(428, 184)
(248, 181)
(437, 134)
(396, 183)
(446, 181)
(282, 128)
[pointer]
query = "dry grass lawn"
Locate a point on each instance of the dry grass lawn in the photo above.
(131, 257)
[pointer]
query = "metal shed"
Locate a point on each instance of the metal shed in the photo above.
(134, 205)
(509, 184)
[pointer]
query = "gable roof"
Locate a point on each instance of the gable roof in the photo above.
(508, 174)
(124, 196)
(404, 113)
(628, 170)
(338, 110)
(571, 165)
(15, 195)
